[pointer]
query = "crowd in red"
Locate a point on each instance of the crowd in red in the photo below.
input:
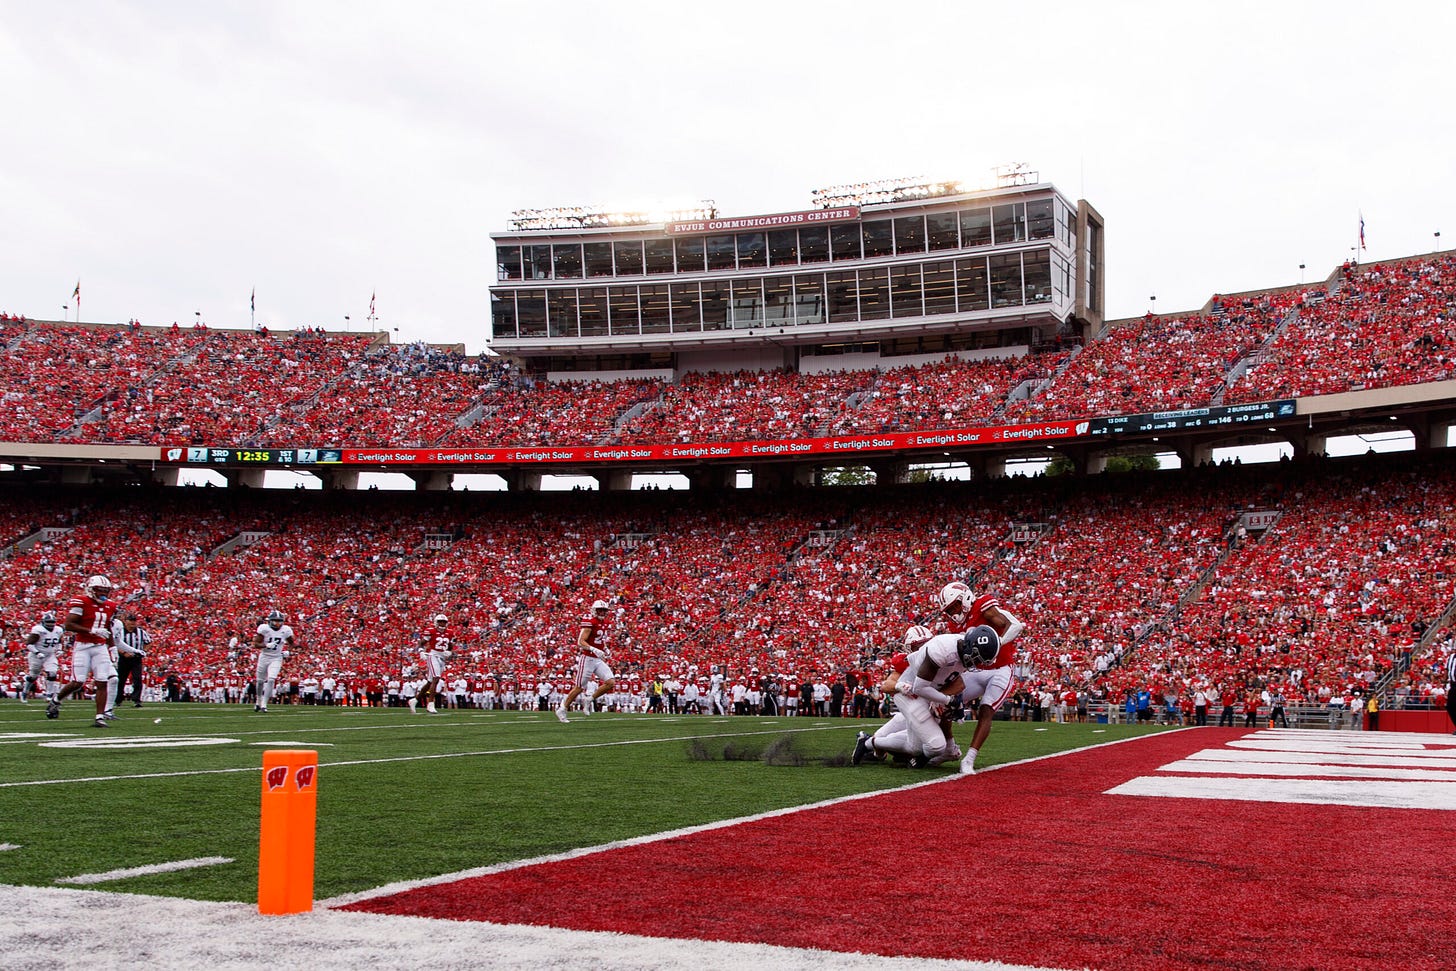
(1381, 325)
(1123, 585)
(945, 394)
(1385, 324)
(737, 405)
(1159, 363)
(224, 386)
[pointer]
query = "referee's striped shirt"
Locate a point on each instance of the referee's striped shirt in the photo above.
(135, 641)
(1451, 666)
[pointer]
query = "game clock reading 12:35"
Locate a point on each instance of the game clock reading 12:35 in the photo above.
(252, 455)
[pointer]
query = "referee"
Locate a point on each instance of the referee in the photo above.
(131, 648)
(1451, 688)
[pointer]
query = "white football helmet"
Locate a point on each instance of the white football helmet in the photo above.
(98, 588)
(955, 599)
(915, 636)
(600, 605)
(48, 620)
(275, 619)
(441, 620)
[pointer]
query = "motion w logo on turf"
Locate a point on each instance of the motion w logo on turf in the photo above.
(1389, 770)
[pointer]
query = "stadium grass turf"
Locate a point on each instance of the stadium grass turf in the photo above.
(427, 795)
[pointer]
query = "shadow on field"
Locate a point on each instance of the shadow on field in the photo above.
(783, 750)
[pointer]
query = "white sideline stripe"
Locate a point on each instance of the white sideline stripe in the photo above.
(1328, 770)
(403, 885)
(9, 846)
(143, 871)
(414, 758)
(1342, 792)
(183, 935)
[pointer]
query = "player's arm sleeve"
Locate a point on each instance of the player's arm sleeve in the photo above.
(927, 690)
(1014, 627)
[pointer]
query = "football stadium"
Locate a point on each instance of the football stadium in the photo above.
(1219, 661)
(846, 584)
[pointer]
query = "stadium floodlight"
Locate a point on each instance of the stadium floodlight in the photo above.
(883, 191)
(607, 217)
(1016, 173)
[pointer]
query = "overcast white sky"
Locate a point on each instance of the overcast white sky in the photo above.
(173, 155)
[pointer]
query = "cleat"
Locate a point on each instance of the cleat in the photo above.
(53, 709)
(968, 767)
(431, 708)
(412, 707)
(561, 716)
(100, 722)
(861, 748)
(915, 762)
(136, 704)
(109, 716)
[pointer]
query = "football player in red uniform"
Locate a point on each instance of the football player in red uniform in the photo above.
(436, 648)
(591, 643)
(88, 618)
(964, 611)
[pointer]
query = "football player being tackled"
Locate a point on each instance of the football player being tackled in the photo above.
(973, 669)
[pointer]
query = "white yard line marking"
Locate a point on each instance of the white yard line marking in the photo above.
(279, 741)
(1325, 770)
(404, 885)
(142, 871)
(1325, 792)
(1386, 770)
(413, 758)
(9, 846)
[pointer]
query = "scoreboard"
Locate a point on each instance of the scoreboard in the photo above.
(1214, 416)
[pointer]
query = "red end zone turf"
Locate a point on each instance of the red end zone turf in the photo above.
(1032, 864)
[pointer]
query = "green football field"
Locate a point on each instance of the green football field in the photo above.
(402, 796)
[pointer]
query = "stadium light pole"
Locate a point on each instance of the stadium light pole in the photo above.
(1438, 241)
(1301, 274)
(66, 313)
(347, 326)
(1153, 305)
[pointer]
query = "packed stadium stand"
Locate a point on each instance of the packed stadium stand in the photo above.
(1122, 585)
(1382, 325)
(1376, 326)
(1126, 583)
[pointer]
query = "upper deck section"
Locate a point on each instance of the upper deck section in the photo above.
(864, 264)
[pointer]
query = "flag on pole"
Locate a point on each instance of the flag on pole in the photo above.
(253, 300)
(76, 294)
(371, 304)
(1362, 230)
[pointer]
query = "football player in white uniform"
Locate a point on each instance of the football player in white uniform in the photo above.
(271, 641)
(436, 649)
(939, 665)
(717, 693)
(43, 644)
